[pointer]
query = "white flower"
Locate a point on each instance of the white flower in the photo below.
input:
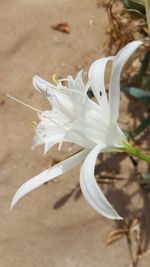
(77, 119)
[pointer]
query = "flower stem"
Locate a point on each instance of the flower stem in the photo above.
(137, 153)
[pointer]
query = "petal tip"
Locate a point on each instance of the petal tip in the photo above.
(13, 203)
(15, 199)
(119, 217)
(113, 215)
(34, 78)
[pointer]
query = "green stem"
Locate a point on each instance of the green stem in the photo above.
(137, 153)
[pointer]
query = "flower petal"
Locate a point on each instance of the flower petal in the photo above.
(91, 190)
(48, 175)
(42, 85)
(114, 88)
(67, 101)
(96, 79)
(76, 83)
(48, 133)
(53, 140)
(36, 141)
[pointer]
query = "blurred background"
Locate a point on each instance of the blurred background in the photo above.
(54, 226)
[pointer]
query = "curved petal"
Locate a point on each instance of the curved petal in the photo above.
(96, 79)
(48, 134)
(36, 141)
(76, 83)
(42, 85)
(114, 88)
(53, 140)
(91, 190)
(67, 101)
(48, 175)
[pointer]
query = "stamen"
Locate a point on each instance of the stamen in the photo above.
(46, 88)
(60, 145)
(63, 126)
(35, 106)
(54, 80)
(24, 104)
(34, 123)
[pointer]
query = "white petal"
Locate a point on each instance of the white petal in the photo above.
(68, 101)
(48, 175)
(36, 141)
(96, 80)
(77, 83)
(114, 88)
(91, 190)
(42, 85)
(77, 137)
(53, 140)
(64, 103)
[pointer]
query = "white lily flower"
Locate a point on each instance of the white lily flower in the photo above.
(77, 119)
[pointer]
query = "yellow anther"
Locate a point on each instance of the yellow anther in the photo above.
(34, 123)
(54, 80)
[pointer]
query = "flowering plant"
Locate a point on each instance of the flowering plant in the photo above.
(76, 118)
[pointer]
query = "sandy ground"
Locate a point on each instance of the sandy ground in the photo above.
(41, 231)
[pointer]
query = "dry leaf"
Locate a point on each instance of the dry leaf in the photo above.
(61, 27)
(134, 236)
(115, 235)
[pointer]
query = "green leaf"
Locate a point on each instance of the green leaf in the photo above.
(144, 124)
(144, 65)
(146, 84)
(135, 4)
(145, 178)
(137, 93)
